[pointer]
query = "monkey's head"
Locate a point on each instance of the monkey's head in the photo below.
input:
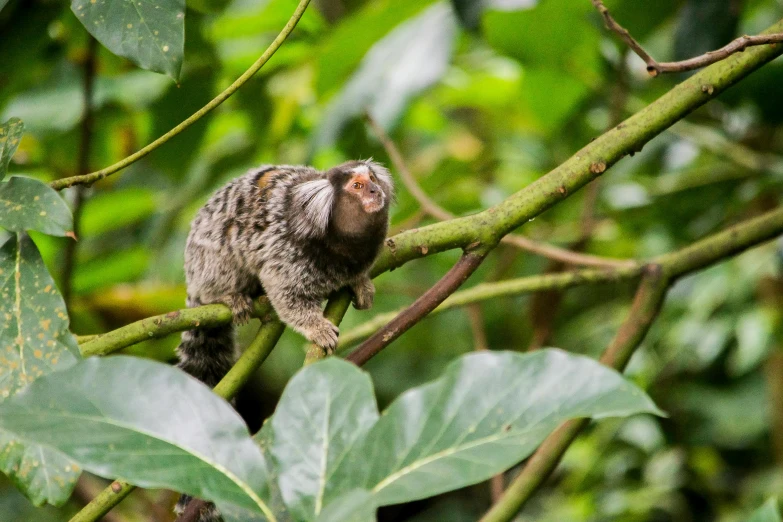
(362, 184)
(351, 200)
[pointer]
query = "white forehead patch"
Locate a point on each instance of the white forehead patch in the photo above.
(361, 169)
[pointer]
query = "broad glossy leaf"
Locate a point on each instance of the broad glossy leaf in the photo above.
(405, 62)
(356, 34)
(147, 423)
(766, 513)
(28, 204)
(355, 506)
(10, 136)
(34, 335)
(151, 33)
(487, 412)
(34, 341)
(263, 440)
(324, 409)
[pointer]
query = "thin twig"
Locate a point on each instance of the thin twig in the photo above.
(646, 305)
(655, 68)
(429, 206)
(83, 166)
(89, 179)
(466, 265)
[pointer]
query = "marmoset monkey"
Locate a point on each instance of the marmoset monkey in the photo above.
(293, 233)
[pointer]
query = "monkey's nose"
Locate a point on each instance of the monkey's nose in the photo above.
(373, 190)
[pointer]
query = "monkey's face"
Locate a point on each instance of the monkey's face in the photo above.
(361, 183)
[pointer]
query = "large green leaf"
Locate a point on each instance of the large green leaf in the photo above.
(10, 135)
(28, 204)
(355, 506)
(264, 440)
(35, 341)
(766, 513)
(146, 422)
(324, 409)
(151, 34)
(34, 333)
(486, 413)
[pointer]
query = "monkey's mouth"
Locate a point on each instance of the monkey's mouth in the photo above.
(373, 204)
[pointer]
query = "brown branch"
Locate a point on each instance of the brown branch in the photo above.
(83, 167)
(646, 305)
(425, 304)
(655, 68)
(429, 206)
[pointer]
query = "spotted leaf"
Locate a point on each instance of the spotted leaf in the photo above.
(28, 204)
(34, 341)
(10, 135)
(151, 33)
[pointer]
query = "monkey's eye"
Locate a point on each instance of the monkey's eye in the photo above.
(372, 178)
(357, 185)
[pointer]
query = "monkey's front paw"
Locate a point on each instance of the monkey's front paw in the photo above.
(324, 334)
(241, 306)
(363, 293)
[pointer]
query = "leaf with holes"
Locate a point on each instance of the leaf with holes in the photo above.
(485, 414)
(10, 136)
(34, 341)
(147, 422)
(151, 33)
(28, 204)
(324, 409)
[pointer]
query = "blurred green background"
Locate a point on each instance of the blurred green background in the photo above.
(482, 97)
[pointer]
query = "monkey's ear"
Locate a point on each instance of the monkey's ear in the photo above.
(384, 178)
(312, 207)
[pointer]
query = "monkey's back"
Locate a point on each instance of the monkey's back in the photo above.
(229, 237)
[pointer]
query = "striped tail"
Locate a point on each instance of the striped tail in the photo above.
(207, 353)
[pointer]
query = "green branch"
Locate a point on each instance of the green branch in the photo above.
(88, 179)
(587, 164)
(692, 258)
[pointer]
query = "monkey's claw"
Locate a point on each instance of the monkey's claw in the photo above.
(324, 335)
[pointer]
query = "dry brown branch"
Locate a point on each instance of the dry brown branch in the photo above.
(425, 304)
(655, 68)
(429, 206)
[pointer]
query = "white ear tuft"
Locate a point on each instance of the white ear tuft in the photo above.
(384, 177)
(312, 202)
